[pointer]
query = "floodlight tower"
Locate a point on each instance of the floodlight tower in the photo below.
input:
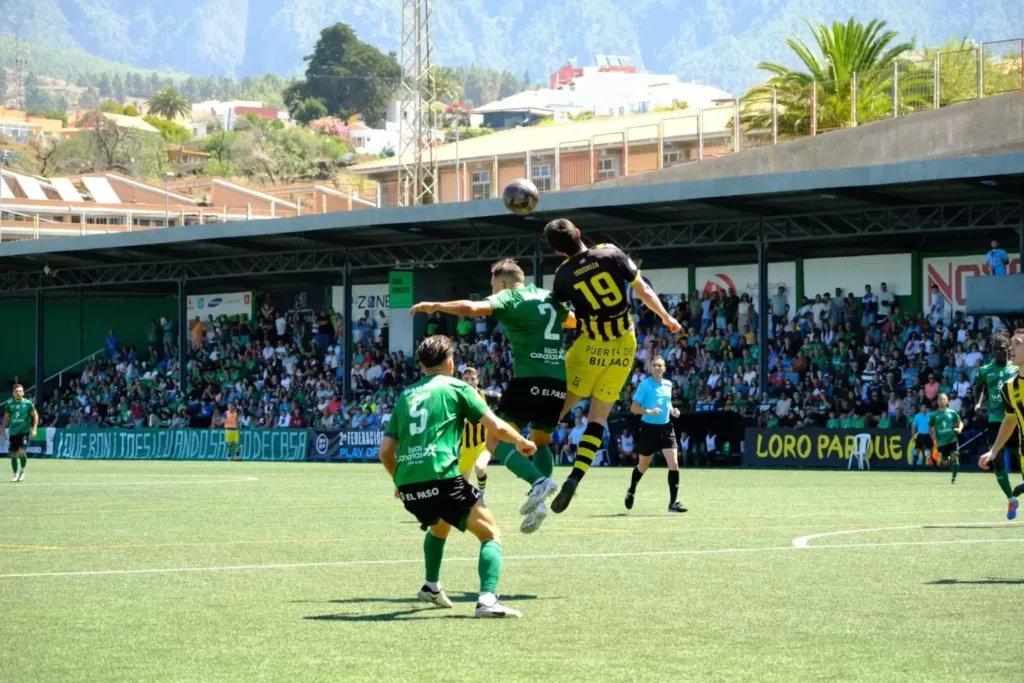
(416, 182)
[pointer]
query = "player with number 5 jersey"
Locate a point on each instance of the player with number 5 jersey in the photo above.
(594, 281)
(533, 321)
(420, 451)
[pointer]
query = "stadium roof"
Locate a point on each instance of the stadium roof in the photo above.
(896, 189)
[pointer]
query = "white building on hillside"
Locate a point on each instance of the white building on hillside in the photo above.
(612, 87)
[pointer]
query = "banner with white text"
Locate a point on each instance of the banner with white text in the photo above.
(178, 444)
(825, 448)
(344, 446)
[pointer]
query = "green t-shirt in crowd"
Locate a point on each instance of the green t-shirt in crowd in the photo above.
(533, 320)
(465, 328)
(833, 424)
(944, 422)
(427, 423)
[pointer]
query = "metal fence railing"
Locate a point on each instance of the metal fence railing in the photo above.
(1001, 66)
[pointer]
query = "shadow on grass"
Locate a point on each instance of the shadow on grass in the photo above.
(979, 582)
(401, 615)
(620, 514)
(424, 611)
(454, 597)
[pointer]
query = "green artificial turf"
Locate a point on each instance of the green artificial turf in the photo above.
(319, 567)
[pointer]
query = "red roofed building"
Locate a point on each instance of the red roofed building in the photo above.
(265, 113)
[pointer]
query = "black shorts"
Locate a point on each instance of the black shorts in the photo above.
(653, 439)
(533, 401)
(442, 499)
(949, 449)
(16, 442)
(924, 442)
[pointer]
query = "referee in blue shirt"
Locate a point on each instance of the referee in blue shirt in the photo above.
(653, 400)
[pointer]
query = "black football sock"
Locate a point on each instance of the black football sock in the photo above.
(637, 474)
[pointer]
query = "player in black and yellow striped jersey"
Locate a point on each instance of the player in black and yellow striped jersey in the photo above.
(600, 361)
(1012, 392)
(473, 454)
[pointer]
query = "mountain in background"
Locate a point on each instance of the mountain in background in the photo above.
(716, 42)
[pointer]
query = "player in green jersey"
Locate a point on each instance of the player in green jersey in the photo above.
(991, 378)
(1012, 396)
(532, 319)
(420, 451)
(945, 426)
(20, 423)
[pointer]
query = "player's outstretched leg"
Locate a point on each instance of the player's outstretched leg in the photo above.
(954, 466)
(481, 524)
(544, 461)
(480, 468)
(433, 554)
(14, 466)
(590, 444)
(23, 462)
(1003, 477)
(542, 487)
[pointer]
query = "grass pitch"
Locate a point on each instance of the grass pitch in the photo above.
(176, 571)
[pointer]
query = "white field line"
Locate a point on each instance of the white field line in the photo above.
(569, 556)
(190, 482)
(803, 541)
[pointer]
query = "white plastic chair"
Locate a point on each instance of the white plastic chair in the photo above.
(862, 444)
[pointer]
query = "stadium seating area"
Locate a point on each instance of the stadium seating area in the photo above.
(835, 361)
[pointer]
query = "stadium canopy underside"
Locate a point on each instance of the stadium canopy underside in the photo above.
(878, 209)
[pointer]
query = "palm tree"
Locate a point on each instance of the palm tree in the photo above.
(169, 103)
(445, 85)
(845, 50)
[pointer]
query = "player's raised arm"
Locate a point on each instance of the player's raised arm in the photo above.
(462, 307)
(651, 300)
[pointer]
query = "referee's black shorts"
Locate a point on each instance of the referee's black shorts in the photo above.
(654, 438)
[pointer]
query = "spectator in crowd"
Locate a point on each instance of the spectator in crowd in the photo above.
(626, 445)
(382, 329)
(997, 260)
(779, 307)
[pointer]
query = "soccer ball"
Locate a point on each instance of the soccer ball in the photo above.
(521, 197)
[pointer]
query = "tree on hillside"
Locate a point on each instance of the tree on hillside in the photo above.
(172, 132)
(117, 85)
(842, 51)
(104, 86)
(309, 109)
(90, 99)
(112, 107)
(169, 104)
(348, 76)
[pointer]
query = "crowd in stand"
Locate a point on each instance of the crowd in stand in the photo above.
(837, 360)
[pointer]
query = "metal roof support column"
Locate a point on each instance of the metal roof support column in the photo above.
(763, 313)
(182, 338)
(40, 356)
(347, 327)
(558, 166)
(736, 125)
